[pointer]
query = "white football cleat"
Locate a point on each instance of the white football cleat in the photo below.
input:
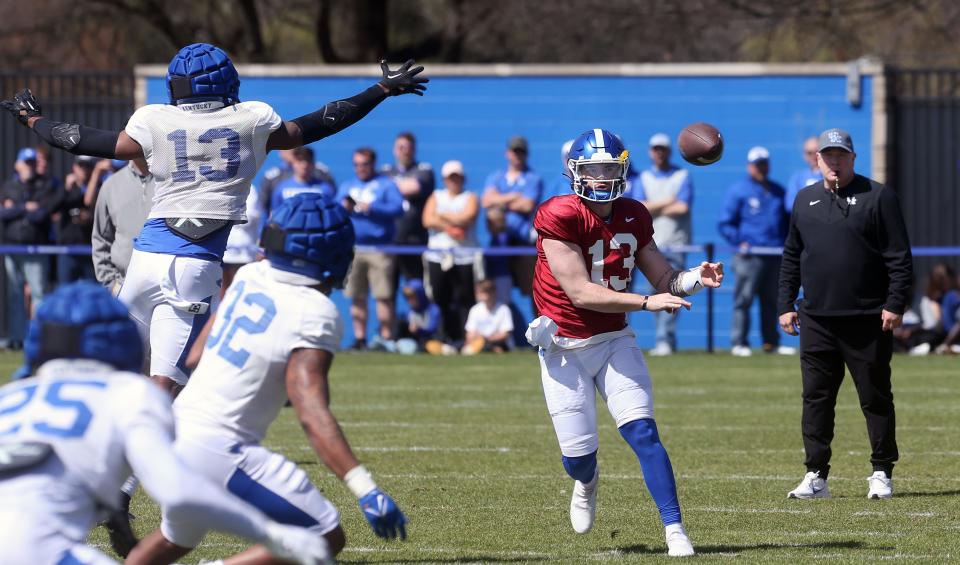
(881, 486)
(678, 544)
(812, 486)
(583, 504)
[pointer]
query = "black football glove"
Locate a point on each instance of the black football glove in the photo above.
(23, 106)
(403, 80)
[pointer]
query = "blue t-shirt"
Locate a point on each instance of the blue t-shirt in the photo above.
(798, 181)
(530, 185)
(950, 309)
(378, 225)
(156, 237)
(754, 213)
(290, 187)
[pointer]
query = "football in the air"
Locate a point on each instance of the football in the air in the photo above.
(700, 144)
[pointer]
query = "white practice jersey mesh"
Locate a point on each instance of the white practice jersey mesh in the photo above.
(239, 386)
(84, 410)
(203, 160)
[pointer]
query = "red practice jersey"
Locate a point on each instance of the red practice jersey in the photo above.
(609, 250)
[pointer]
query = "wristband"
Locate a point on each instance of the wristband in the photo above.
(690, 281)
(645, 300)
(359, 481)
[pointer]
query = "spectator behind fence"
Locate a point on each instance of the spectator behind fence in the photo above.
(923, 331)
(848, 248)
(753, 215)
(450, 215)
(28, 200)
(510, 197)
(421, 322)
(950, 314)
(303, 178)
(667, 192)
(73, 220)
(374, 204)
(415, 181)
(120, 213)
(489, 324)
(43, 164)
(283, 171)
(804, 177)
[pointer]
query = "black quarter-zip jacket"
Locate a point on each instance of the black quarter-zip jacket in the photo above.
(849, 249)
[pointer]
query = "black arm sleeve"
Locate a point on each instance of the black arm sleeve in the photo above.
(895, 246)
(790, 269)
(78, 139)
(339, 115)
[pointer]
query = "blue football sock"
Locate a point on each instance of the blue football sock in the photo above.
(581, 468)
(657, 472)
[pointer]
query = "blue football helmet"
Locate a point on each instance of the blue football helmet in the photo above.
(310, 235)
(202, 72)
(82, 320)
(598, 157)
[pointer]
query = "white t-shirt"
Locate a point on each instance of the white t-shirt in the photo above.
(486, 323)
(239, 386)
(203, 156)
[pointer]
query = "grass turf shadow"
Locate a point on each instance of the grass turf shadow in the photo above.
(708, 549)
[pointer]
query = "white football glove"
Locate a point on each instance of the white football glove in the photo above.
(298, 544)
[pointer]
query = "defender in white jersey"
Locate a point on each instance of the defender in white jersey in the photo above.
(72, 433)
(203, 150)
(274, 339)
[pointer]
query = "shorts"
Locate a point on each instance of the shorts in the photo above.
(170, 298)
(571, 377)
(262, 478)
(371, 270)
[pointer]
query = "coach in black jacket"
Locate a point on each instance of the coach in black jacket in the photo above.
(847, 246)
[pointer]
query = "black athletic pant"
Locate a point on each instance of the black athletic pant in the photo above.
(452, 291)
(827, 344)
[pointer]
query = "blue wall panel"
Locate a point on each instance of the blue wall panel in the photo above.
(470, 119)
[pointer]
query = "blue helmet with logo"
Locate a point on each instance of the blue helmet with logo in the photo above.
(82, 320)
(310, 235)
(201, 72)
(597, 163)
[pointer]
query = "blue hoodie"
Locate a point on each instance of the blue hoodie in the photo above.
(377, 226)
(426, 314)
(754, 213)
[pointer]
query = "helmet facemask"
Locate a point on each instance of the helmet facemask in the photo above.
(602, 178)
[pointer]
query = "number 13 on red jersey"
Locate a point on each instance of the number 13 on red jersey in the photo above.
(622, 248)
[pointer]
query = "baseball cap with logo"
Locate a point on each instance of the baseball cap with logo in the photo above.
(660, 140)
(27, 154)
(757, 154)
(835, 137)
(451, 168)
(518, 143)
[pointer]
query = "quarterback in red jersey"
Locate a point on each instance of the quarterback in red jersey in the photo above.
(587, 247)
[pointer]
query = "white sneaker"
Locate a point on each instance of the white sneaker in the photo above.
(678, 544)
(661, 350)
(583, 504)
(741, 351)
(881, 486)
(812, 486)
(786, 350)
(921, 349)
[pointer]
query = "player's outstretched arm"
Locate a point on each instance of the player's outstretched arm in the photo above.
(307, 388)
(340, 114)
(566, 264)
(74, 138)
(665, 278)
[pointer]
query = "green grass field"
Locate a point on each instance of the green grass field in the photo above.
(466, 448)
